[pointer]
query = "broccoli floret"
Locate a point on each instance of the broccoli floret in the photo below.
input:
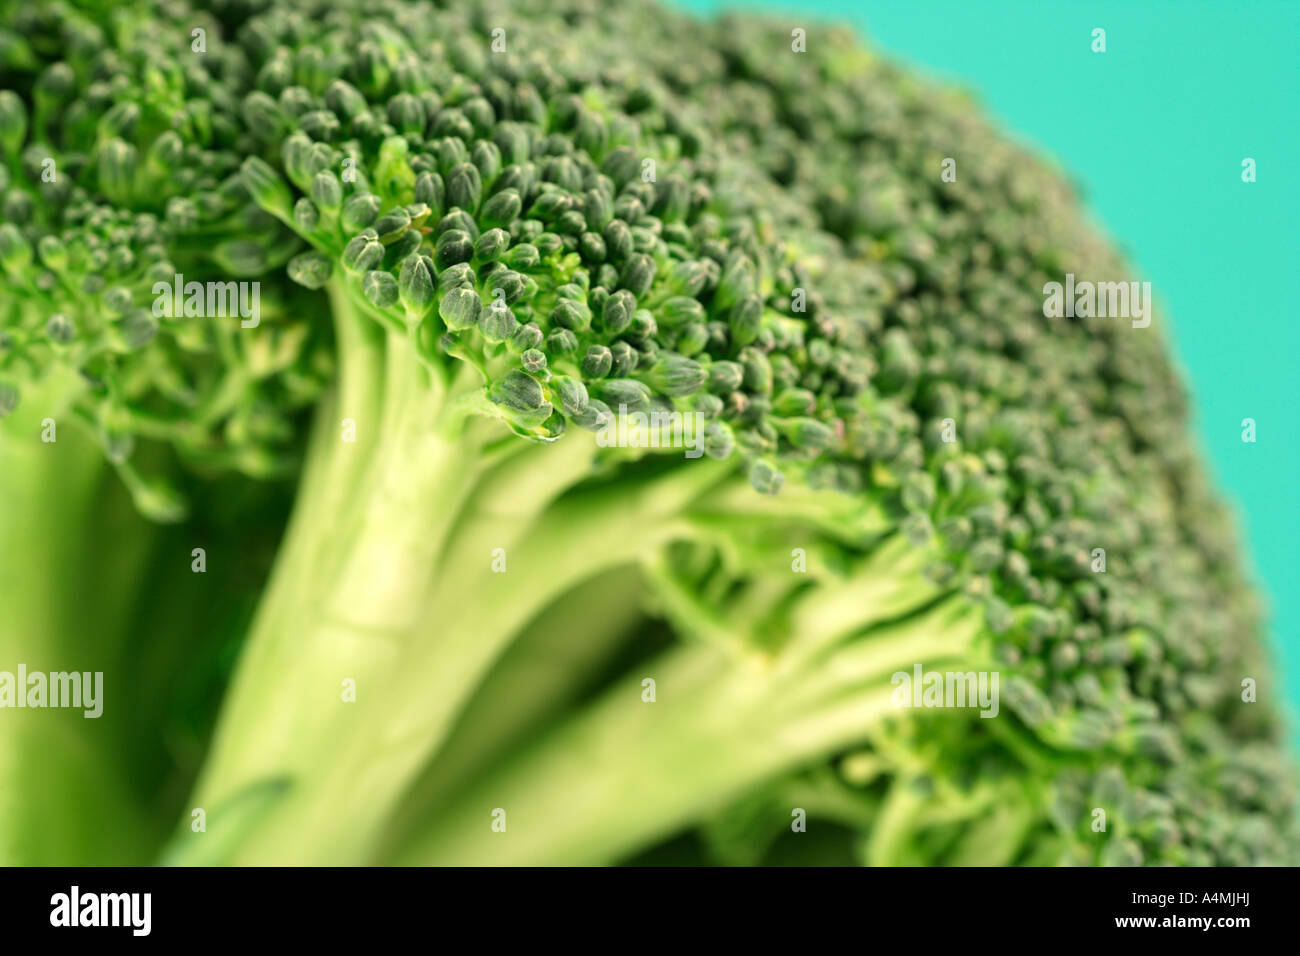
(482, 256)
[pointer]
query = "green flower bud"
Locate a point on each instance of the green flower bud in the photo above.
(569, 314)
(407, 114)
(118, 300)
(310, 269)
(345, 100)
(591, 134)
(620, 393)
(430, 190)
(60, 329)
(407, 243)
(460, 309)
(526, 337)
(491, 245)
(719, 442)
(677, 376)
(392, 224)
(630, 209)
(725, 377)
(53, 253)
(573, 395)
(359, 212)
(616, 313)
(17, 207)
(13, 123)
(452, 247)
(561, 342)
(362, 254)
(486, 157)
(595, 416)
(137, 329)
(506, 285)
(710, 406)
(116, 160)
(166, 153)
(267, 188)
(745, 320)
(295, 153)
(618, 241)
(305, 216)
(550, 205)
(621, 165)
(638, 274)
(263, 117)
(597, 362)
(986, 555)
(625, 357)
(739, 279)
(296, 101)
(15, 252)
(321, 125)
(597, 209)
(497, 323)
(459, 276)
(765, 477)
(54, 85)
(672, 199)
(464, 187)
(794, 401)
(592, 248)
(548, 244)
(533, 361)
(693, 338)
(758, 371)
(512, 139)
(415, 285)
(522, 399)
(327, 191)
(680, 310)
(523, 256)
(570, 224)
(380, 289)
(809, 434)
(501, 209)
(643, 325)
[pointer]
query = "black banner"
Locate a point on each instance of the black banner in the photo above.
(336, 905)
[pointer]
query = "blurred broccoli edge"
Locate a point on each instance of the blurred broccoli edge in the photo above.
(479, 229)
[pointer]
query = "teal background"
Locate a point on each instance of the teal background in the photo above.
(1153, 132)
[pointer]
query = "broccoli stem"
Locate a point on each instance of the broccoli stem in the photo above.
(625, 773)
(71, 553)
(372, 580)
(556, 661)
(404, 723)
(360, 553)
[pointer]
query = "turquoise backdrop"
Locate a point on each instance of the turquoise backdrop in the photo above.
(1154, 131)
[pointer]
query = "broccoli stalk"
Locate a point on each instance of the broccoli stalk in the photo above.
(614, 778)
(365, 591)
(67, 593)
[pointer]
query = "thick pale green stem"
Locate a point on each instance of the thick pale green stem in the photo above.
(337, 813)
(366, 648)
(71, 550)
(627, 772)
(538, 680)
(383, 484)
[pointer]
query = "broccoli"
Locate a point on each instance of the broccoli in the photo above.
(598, 336)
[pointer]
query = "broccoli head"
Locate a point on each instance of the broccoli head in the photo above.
(610, 319)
